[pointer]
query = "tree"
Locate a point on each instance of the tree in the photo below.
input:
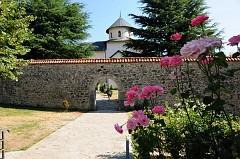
(14, 32)
(163, 18)
(59, 30)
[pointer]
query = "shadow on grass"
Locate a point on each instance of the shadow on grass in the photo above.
(39, 108)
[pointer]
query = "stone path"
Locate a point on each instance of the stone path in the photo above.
(91, 136)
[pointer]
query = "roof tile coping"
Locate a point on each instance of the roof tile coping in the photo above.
(110, 60)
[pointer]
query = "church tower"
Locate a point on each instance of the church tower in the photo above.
(119, 30)
(118, 33)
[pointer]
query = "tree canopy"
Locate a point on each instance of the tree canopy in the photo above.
(14, 32)
(59, 30)
(162, 18)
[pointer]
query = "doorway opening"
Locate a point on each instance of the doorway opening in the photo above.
(107, 95)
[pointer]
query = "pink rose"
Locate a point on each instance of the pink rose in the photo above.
(176, 60)
(134, 88)
(200, 46)
(158, 89)
(234, 40)
(176, 36)
(143, 120)
(192, 49)
(118, 128)
(150, 92)
(199, 19)
(129, 102)
(138, 113)
(130, 95)
(131, 124)
(165, 61)
(158, 110)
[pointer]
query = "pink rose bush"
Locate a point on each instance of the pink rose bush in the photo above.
(140, 118)
(198, 125)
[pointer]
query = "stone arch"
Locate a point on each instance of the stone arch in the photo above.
(96, 80)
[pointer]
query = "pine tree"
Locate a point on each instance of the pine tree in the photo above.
(161, 19)
(13, 33)
(59, 30)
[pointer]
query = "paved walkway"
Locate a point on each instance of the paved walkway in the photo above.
(90, 136)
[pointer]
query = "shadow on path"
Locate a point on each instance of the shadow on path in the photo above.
(113, 156)
(102, 103)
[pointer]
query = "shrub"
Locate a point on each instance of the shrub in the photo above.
(66, 105)
(111, 87)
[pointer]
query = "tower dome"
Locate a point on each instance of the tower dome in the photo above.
(119, 30)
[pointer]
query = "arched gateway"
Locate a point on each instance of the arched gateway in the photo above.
(48, 83)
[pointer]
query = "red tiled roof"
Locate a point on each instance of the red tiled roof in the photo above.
(110, 60)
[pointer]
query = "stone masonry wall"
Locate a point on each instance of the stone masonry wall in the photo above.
(47, 83)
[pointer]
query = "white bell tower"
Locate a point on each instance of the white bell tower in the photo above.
(119, 30)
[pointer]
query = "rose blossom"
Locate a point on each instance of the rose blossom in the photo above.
(138, 113)
(118, 128)
(134, 88)
(200, 46)
(234, 40)
(129, 102)
(158, 110)
(176, 36)
(131, 124)
(165, 61)
(176, 60)
(150, 92)
(130, 97)
(143, 120)
(199, 19)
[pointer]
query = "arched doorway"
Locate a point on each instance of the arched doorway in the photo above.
(102, 100)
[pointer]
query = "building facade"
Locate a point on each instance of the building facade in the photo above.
(118, 34)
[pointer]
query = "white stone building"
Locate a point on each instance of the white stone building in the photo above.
(119, 34)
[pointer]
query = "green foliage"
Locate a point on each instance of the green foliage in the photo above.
(160, 19)
(13, 33)
(103, 88)
(59, 30)
(111, 87)
(171, 135)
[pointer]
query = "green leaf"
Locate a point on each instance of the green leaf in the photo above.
(162, 122)
(173, 91)
(185, 94)
(207, 100)
(236, 54)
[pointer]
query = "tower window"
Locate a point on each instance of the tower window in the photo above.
(111, 35)
(119, 33)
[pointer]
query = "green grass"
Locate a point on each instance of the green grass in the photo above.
(15, 112)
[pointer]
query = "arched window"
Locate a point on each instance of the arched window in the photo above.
(119, 33)
(111, 35)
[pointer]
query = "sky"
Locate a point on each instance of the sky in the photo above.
(103, 13)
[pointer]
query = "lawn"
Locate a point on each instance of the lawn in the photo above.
(30, 126)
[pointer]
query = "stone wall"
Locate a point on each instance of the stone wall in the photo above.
(47, 83)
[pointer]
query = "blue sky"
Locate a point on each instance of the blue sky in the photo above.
(105, 12)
